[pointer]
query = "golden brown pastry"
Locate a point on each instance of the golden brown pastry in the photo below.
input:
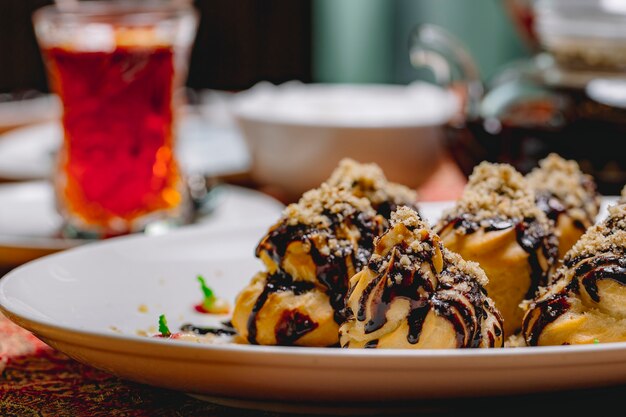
(368, 181)
(310, 255)
(567, 196)
(414, 293)
(497, 224)
(587, 301)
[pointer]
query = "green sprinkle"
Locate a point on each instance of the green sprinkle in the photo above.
(209, 298)
(163, 329)
(596, 341)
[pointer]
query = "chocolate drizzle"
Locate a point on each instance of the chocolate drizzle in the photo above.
(372, 344)
(415, 319)
(395, 281)
(226, 329)
(335, 266)
(598, 268)
(548, 310)
(387, 207)
(554, 207)
(561, 188)
(467, 223)
(586, 275)
(466, 309)
(292, 326)
(280, 281)
(531, 236)
(549, 204)
(451, 294)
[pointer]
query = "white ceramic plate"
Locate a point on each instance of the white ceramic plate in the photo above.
(204, 148)
(29, 223)
(29, 108)
(86, 303)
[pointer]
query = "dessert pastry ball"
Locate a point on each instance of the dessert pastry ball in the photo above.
(414, 293)
(587, 301)
(310, 255)
(497, 224)
(567, 196)
(368, 181)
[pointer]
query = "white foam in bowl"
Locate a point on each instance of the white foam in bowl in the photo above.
(365, 105)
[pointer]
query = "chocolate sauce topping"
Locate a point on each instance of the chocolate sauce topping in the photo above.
(464, 309)
(387, 207)
(218, 331)
(598, 268)
(407, 284)
(530, 235)
(549, 204)
(292, 326)
(561, 187)
(280, 281)
(416, 318)
(586, 274)
(334, 229)
(371, 344)
(334, 266)
(553, 207)
(550, 309)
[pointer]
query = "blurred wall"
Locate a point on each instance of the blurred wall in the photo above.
(239, 43)
(482, 25)
(20, 62)
(353, 41)
(366, 40)
(244, 41)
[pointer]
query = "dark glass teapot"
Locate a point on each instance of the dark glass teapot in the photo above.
(570, 99)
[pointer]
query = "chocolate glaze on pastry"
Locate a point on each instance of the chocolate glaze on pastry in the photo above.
(414, 293)
(586, 303)
(567, 196)
(310, 255)
(497, 224)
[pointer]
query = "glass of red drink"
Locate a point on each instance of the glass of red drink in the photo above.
(116, 65)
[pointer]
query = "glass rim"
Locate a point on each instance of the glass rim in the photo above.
(114, 9)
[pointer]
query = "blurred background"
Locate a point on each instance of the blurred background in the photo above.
(279, 91)
(241, 43)
(531, 62)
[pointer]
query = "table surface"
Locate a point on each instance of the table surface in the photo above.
(36, 380)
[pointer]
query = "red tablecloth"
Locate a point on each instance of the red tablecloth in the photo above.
(39, 381)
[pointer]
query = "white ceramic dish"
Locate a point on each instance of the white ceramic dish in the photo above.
(29, 224)
(86, 303)
(22, 111)
(204, 148)
(297, 133)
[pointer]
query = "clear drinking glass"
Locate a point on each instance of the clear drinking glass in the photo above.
(116, 66)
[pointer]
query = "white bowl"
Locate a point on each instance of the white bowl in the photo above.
(297, 133)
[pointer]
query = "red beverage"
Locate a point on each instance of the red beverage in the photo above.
(115, 66)
(117, 165)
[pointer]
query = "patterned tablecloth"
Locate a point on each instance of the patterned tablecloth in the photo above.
(39, 381)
